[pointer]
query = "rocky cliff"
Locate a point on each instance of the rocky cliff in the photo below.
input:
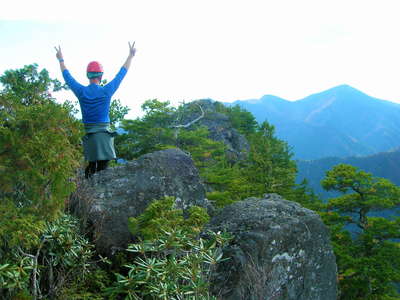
(279, 250)
(220, 128)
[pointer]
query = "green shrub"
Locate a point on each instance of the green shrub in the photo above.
(161, 216)
(39, 143)
(57, 258)
(174, 266)
(39, 153)
(171, 262)
(90, 288)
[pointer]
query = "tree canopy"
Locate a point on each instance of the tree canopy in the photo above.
(39, 142)
(267, 167)
(368, 257)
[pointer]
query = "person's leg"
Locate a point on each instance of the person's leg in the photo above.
(90, 169)
(102, 165)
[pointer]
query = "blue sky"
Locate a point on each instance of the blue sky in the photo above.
(225, 50)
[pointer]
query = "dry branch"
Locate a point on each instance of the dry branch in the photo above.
(191, 122)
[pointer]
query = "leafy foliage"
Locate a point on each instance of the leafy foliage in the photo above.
(39, 153)
(117, 112)
(271, 169)
(171, 262)
(384, 164)
(58, 257)
(39, 142)
(28, 86)
(161, 216)
(240, 118)
(304, 194)
(18, 228)
(174, 266)
(147, 134)
(210, 158)
(371, 272)
(268, 168)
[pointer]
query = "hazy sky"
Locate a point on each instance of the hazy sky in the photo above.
(224, 50)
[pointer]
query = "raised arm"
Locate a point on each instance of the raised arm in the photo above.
(71, 82)
(60, 58)
(132, 51)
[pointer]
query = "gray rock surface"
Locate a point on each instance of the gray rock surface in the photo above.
(125, 191)
(220, 129)
(280, 251)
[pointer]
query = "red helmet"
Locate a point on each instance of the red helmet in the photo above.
(94, 66)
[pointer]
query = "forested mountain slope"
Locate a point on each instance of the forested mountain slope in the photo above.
(340, 122)
(385, 164)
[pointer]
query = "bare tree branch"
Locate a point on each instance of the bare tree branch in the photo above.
(191, 122)
(35, 272)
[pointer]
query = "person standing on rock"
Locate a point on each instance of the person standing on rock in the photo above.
(94, 100)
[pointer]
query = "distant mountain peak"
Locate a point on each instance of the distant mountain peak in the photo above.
(340, 121)
(345, 88)
(343, 93)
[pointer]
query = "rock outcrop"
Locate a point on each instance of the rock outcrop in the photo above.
(279, 251)
(125, 191)
(221, 129)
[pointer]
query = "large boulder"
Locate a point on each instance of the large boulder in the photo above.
(279, 251)
(125, 191)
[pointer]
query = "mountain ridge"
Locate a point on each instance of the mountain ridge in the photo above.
(341, 121)
(384, 164)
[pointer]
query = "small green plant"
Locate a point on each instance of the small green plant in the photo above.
(59, 258)
(171, 262)
(161, 216)
(175, 266)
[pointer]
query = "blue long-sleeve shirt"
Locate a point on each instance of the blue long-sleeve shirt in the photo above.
(94, 99)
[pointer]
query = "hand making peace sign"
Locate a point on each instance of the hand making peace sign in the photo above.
(132, 49)
(59, 53)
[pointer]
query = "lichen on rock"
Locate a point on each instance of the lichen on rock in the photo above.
(279, 250)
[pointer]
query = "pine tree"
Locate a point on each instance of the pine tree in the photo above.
(368, 257)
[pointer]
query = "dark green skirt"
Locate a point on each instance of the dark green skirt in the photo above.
(98, 143)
